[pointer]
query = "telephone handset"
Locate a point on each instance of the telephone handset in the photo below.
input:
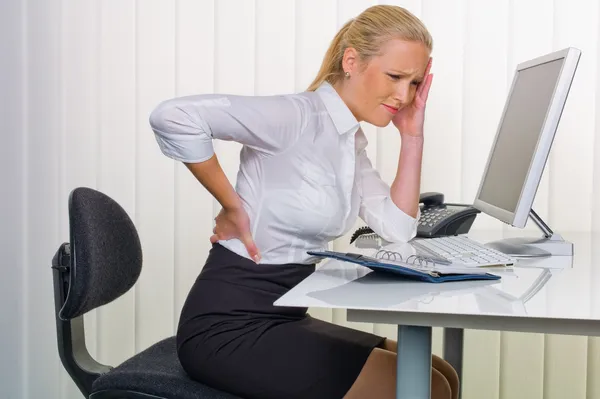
(437, 218)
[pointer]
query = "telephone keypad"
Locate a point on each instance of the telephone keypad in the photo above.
(431, 216)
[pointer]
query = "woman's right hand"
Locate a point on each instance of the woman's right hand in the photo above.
(235, 223)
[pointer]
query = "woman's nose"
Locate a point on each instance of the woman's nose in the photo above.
(401, 95)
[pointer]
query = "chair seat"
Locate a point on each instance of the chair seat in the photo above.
(157, 371)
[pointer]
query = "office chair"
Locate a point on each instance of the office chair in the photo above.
(102, 261)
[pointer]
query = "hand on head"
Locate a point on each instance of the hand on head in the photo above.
(411, 119)
(235, 223)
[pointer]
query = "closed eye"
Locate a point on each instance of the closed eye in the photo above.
(398, 77)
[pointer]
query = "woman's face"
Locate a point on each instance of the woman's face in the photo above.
(376, 91)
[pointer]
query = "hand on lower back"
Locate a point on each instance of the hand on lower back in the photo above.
(235, 223)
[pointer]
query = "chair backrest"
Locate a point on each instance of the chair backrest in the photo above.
(102, 261)
(106, 254)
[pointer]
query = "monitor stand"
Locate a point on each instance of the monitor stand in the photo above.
(550, 244)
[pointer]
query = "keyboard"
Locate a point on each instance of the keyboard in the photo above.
(462, 250)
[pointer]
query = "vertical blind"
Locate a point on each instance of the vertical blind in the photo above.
(80, 79)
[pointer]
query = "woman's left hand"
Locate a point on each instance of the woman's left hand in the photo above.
(410, 119)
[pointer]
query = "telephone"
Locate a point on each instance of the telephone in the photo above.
(437, 218)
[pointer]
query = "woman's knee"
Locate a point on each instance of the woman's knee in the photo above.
(440, 387)
(449, 373)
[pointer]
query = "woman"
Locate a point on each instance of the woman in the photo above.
(304, 178)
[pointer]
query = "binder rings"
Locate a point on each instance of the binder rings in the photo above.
(414, 267)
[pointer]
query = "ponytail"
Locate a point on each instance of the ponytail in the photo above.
(331, 68)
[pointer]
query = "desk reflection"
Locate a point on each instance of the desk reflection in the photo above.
(378, 290)
(366, 289)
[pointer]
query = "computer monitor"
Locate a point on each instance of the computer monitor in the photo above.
(521, 147)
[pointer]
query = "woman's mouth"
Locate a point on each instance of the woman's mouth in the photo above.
(391, 109)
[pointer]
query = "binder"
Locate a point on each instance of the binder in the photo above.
(414, 267)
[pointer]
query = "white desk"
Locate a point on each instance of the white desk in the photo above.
(558, 295)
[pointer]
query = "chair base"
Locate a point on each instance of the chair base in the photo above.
(122, 394)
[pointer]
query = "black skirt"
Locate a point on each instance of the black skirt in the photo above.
(233, 338)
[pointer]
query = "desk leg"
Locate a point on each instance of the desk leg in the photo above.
(453, 351)
(413, 374)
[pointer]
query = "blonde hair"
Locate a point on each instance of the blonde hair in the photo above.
(367, 33)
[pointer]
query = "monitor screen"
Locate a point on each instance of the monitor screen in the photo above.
(518, 135)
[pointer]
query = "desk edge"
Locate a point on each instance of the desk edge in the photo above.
(474, 322)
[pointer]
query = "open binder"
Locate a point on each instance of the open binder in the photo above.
(415, 267)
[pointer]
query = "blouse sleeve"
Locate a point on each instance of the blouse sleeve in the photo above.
(378, 210)
(184, 127)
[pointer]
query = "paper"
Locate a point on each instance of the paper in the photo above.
(407, 255)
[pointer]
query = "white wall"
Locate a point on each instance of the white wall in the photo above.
(79, 78)
(13, 213)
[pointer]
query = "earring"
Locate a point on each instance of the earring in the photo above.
(347, 74)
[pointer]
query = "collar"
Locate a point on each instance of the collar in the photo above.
(342, 117)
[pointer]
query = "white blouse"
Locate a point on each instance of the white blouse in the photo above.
(304, 172)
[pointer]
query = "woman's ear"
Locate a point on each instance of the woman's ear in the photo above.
(350, 60)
